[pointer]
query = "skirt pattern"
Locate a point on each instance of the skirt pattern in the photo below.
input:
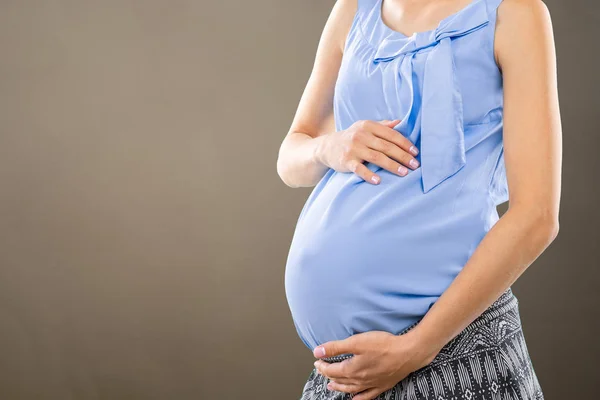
(488, 360)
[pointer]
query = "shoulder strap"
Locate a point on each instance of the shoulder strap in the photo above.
(369, 21)
(367, 6)
(492, 9)
(364, 25)
(492, 6)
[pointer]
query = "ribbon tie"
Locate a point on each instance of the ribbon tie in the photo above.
(442, 132)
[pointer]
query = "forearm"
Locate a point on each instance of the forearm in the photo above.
(298, 164)
(505, 252)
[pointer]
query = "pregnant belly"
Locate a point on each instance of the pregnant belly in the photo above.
(375, 257)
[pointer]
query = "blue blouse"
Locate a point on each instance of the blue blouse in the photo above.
(376, 257)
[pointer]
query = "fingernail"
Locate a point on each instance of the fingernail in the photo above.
(414, 163)
(402, 170)
(320, 351)
(375, 179)
(413, 150)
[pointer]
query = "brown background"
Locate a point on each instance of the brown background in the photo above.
(144, 230)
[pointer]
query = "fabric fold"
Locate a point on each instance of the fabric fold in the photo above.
(442, 147)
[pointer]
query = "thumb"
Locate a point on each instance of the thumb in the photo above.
(334, 348)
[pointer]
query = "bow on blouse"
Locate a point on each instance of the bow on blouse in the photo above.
(442, 133)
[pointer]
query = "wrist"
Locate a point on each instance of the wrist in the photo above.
(423, 350)
(319, 149)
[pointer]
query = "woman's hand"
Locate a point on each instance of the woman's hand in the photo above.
(373, 141)
(380, 361)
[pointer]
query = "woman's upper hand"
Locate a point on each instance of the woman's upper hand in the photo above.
(372, 141)
(380, 361)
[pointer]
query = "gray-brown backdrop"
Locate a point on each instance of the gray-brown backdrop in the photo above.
(144, 230)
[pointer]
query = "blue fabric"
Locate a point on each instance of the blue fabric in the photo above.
(376, 257)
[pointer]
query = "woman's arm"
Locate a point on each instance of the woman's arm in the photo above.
(524, 50)
(297, 164)
(312, 144)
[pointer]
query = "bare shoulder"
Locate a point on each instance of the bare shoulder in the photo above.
(314, 114)
(347, 8)
(527, 13)
(340, 20)
(521, 25)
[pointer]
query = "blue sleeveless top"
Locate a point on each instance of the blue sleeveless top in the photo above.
(376, 257)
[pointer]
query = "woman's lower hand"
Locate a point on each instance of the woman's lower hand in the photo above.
(380, 361)
(372, 141)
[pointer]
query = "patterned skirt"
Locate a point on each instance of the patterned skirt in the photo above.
(487, 360)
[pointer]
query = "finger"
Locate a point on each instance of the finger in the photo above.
(361, 170)
(391, 135)
(389, 123)
(398, 157)
(335, 347)
(345, 381)
(382, 160)
(343, 371)
(369, 394)
(348, 388)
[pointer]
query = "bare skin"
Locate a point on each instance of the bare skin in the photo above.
(312, 145)
(525, 53)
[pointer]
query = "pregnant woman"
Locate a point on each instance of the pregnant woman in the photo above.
(418, 119)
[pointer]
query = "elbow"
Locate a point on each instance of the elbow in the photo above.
(547, 226)
(283, 174)
(540, 222)
(283, 167)
(552, 229)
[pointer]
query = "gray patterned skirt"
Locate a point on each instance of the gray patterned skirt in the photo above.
(487, 360)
